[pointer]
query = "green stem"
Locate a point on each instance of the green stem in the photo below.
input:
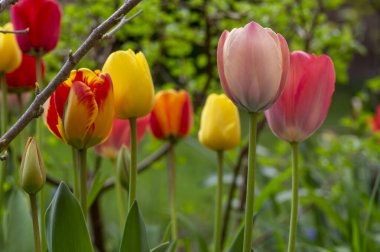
(4, 105)
(82, 163)
(253, 117)
(76, 173)
(120, 197)
(133, 170)
(42, 218)
(172, 190)
(218, 205)
(33, 206)
(375, 189)
(294, 211)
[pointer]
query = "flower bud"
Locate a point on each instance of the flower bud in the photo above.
(32, 171)
(122, 167)
(220, 123)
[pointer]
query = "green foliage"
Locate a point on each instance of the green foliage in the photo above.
(66, 228)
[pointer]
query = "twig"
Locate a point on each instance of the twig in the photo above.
(15, 31)
(122, 22)
(95, 36)
(5, 3)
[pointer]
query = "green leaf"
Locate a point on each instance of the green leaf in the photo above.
(19, 227)
(134, 237)
(237, 244)
(165, 247)
(99, 180)
(66, 228)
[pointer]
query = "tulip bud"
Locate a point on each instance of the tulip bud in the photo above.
(32, 170)
(220, 123)
(172, 114)
(122, 167)
(305, 102)
(253, 64)
(9, 50)
(132, 82)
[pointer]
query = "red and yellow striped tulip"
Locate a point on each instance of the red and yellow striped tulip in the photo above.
(81, 110)
(172, 114)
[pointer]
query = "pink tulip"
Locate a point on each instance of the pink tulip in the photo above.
(253, 64)
(121, 135)
(303, 106)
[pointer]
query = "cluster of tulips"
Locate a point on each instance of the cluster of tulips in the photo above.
(112, 108)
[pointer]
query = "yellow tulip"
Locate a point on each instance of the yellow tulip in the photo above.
(133, 85)
(220, 123)
(9, 50)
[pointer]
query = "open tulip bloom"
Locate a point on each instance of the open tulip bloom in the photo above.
(301, 110)
(253, 64)
(80, 113)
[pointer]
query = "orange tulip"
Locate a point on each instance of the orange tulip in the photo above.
(81, 110)
(172, 114)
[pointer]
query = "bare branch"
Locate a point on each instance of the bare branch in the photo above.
(15, 31)
(95, 36)
(122, 22)
(5, 3)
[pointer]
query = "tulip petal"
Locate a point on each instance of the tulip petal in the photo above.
(159, 120)
(79, 115)
(186, 115)
(103, 93)
(51, 117)
(49, 25)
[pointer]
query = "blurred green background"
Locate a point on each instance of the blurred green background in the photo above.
(339, 163)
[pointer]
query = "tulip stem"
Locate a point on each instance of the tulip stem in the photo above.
(294, 211)
(33, 206)
(253, 117)
(218, 206)
(172, 190)
(4, 119)
(375, 190)
(76, 173)
(82, 163)
(133, 170)
(120, 196)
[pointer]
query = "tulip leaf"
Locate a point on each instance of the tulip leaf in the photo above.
(66, 228)
(164, 247)
(97, 184)
(134, 237)
(19, 225)
(237, 244)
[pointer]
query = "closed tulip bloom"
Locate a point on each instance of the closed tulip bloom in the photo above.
(81, 110)
(24, 77)
(172, 114)
(32, 174)
(303, 106)
(133, 85)
(121, 135)
(9, 50)
(43, 18)
(253, 63)
(220, 124)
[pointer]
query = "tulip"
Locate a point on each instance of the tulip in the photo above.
(9, 50)
(303, 106)
(172, 114)
(219, 131)
(300, 111)
(24, 78)
(33, 175)
(43, 18)
(121, 135)
(374, 122)
(253, 63)
(81, 110)
(220, 123)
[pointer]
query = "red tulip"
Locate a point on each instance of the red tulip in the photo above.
(374, 122)
(24, 77)
(304, 104)
(81, 110)
(172, 114)
(253, 64)
(121, 135)
(43, 18)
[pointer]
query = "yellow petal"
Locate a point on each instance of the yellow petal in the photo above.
(10, 52)
(80, 113)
